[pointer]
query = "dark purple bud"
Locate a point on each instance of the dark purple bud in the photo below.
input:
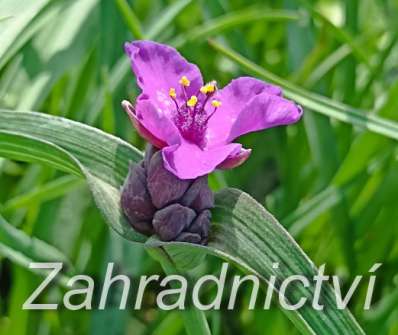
(170, 221)
(135, 199)
(143, 227)
(155, 201)
(199, 196)
(201, 225)
(164, 187)
(189, 237)
(150, 150)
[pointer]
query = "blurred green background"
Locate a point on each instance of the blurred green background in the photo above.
(332, 185)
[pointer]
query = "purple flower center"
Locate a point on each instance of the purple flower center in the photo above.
(191, 116)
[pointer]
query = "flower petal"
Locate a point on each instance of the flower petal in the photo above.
(234, 97)
(188, 161)
(159, 67)
(151, 123)
(235, 159)
(265, 111)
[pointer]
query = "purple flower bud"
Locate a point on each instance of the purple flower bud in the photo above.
(143, 227)
(136, 201)
(163, 186)
(156, 202)
(199, 196)
(150, 150)
(189, 237)
(170, 221)
(201, 225)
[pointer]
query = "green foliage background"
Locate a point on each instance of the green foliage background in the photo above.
(332, 184)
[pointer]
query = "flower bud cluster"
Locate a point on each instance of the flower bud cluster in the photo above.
(155, 201)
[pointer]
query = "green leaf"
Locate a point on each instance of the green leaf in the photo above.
(28, 149)
(243, 232)
(232, 20)
(130, 18)
(52, 190)
(313, 101)
(195, 320)
(58, 50)
(102, 159)
(164, 19)
(36, 249)
(3, 18)
(343, 35)
(15, 17)
(23, 250)
(309, 210)
(170, 325)
(48, 15)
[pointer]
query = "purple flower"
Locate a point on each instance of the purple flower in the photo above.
(194, 123)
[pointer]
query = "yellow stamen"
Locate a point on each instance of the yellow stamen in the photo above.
(184, 81)
(172, 93)
(211, 88)
(192, 101)
(216, 103)
(208, 88)
(203, 89)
